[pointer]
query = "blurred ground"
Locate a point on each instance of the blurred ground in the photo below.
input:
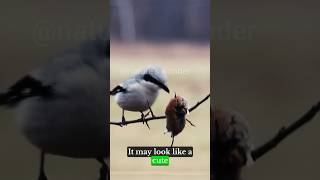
(188, 71)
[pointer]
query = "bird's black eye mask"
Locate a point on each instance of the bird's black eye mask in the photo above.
(116, 90)
(149, 78)
(25, 88)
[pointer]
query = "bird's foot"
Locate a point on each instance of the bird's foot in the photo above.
(143, 118)
(123, 122)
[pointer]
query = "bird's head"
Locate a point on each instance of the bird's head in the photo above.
(156, 76)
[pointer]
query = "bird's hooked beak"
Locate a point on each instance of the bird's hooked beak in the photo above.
(148, 77)
(164, 87)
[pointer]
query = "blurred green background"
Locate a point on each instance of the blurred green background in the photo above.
(31, 33)
(266, 66)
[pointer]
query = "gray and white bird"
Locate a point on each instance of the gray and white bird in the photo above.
(139, 92)
(62, 108)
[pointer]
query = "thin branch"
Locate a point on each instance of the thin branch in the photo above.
(285, 132)
(157, 117)
(138, 120)
(200, 102)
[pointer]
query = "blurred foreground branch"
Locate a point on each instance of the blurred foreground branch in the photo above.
(157, 117)
(285, 132)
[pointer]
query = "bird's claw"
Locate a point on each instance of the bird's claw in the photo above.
(147, 125)
(123, 122)
(143, 118)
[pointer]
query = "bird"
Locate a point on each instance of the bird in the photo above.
(62, 107)
(231, 144)
(176, 112)
(140, 91)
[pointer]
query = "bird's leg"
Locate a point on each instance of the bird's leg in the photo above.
(172, 140)
(146, 115)
(143, 119)
(42, 175)
(104, 170)
(123, 119)
(190, 123)
(150, 110)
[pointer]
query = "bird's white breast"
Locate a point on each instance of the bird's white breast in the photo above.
(138, 96)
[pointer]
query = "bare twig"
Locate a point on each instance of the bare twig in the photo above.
(285, 132)
(200, 102)
(157, 117)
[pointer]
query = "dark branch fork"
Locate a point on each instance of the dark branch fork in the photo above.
(285, 132)
(157, 117)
